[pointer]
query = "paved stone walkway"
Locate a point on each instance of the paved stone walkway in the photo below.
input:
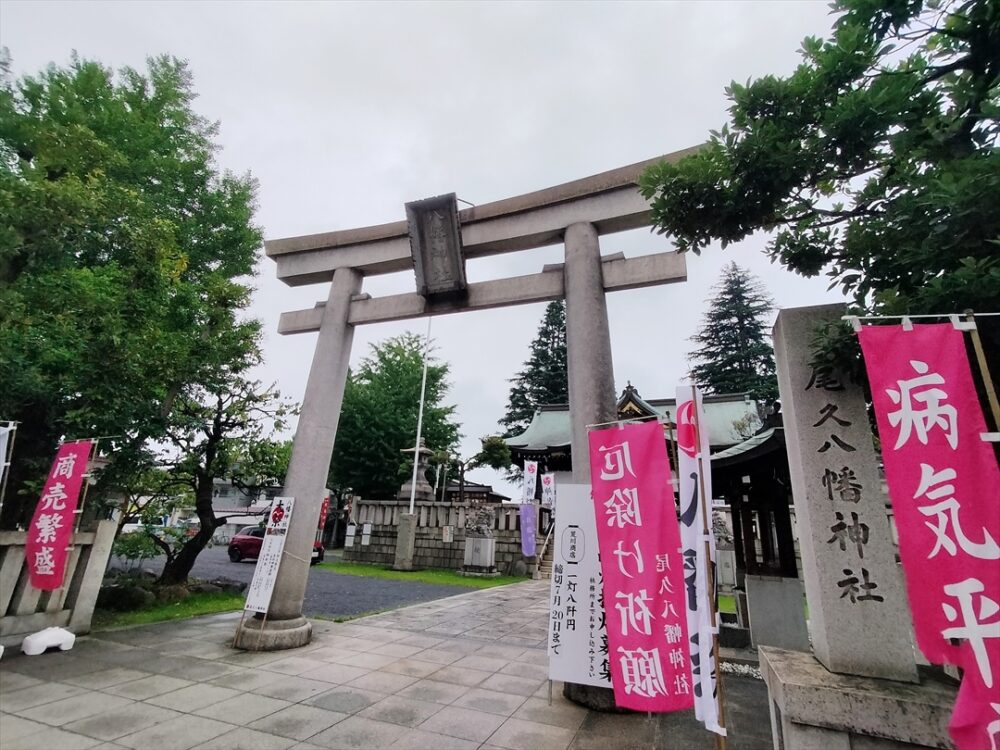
(464, 672)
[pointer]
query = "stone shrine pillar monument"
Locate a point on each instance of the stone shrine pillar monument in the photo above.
(435, 241)
(860, 681)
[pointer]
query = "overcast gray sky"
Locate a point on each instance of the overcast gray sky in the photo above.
(345, 111)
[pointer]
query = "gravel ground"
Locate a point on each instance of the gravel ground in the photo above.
(328, 594)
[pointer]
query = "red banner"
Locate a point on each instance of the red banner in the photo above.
(642, 568)
(52, 524)
(945, 488)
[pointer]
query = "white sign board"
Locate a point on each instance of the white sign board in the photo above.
(349, 538)
(578, 640)
(259, 593)
(447, 534)
(366, 534)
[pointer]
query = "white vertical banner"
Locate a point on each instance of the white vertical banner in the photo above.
(271, 550)
(549, 489)
(578, 639)
(530, 481)
(6, 434)
(695, 474)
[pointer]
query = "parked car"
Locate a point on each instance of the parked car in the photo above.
(247, 542)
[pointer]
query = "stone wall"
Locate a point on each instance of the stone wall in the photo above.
(430, 549)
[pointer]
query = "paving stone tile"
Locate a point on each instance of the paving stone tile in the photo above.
(10, 681)
(561, 713)
(203, 670)
(110, 725)
(293, 665)
(193, 697)
(336, 674)
(433, 691)
(298, 722)
(50, 739)
(506, 683)
(417, 739)
(505, 652)
(177, 734)
(370, 661)
(538, 671)
(292, 689)
(467, 677)
(244, 679)
(358, 733)
(517, 734)
(464, 723)
(243, 708)
(397, 710)
(490, 701)
(148, 687)
(345, 699)
(13, 727)
(36, 695)
(106, 678)
(382, 682)
(76, 707)
(412, 668)
(438, 656)
(399, 650)
(423, 641)
(247, 739)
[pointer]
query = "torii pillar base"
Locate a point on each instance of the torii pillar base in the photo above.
(256, 634)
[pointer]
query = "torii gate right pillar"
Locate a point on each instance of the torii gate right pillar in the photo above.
(588, 343)
(591, 379)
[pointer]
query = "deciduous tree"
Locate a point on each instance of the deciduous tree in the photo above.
(378, 419)
(124, 259)
(875, 161)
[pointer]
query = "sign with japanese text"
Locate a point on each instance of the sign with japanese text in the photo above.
(6, 440)
(51, 529)
(549, 489)
(530, 481)
(578, 640)
(269, 559)
(698, 550)
(639, 542)
(945, 488)
(529, 524)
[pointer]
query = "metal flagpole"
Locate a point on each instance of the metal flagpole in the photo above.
(720, 739)
(420, 417)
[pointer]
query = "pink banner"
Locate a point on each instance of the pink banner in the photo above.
(945, 488)
(642, 568)
(52, 524)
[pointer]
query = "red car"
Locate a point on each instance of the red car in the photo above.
(247, 543)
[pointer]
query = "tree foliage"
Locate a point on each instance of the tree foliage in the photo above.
(543, 380)
(378, 419)
(493, 453)
(124, 254)
(875, 160)
(221, 432)
(735, 355)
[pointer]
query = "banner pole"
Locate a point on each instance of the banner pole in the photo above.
(720, 740)
(991, 394)
(5, 464)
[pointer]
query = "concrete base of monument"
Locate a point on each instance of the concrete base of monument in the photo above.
(273, 635)
(406, 535)
(593, 697)
(813, 708)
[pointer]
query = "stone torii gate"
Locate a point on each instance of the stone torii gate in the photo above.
(434, 241)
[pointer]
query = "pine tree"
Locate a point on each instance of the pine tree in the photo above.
(735, 354)
(543, 379)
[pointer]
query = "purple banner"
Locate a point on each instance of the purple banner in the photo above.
(529, 522)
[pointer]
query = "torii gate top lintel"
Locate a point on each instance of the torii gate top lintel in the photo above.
(609, 201)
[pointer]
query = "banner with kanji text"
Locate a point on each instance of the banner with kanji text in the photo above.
(944, 483)
(47, 546)
(641, 564)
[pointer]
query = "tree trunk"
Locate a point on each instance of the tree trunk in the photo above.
(176, 571)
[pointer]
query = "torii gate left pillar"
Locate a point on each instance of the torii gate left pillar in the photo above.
(575, 213)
